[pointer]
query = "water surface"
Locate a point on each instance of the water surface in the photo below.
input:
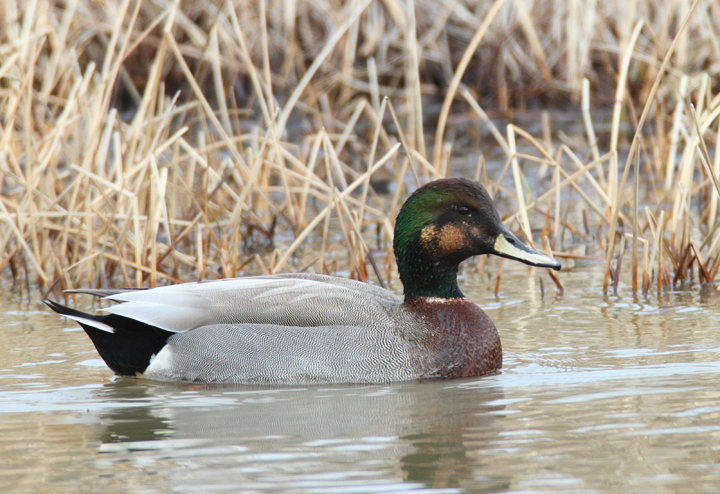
(597, 394)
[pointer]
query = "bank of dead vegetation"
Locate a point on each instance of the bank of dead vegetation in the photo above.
(148, 142)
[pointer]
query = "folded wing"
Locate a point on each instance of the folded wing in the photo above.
(284, 300)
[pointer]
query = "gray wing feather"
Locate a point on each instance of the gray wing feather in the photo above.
(285, 300)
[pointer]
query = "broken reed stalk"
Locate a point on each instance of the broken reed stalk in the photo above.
(517, 178)
(589, 129)
(635, 199)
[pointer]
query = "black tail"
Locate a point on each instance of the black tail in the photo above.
(127, 350)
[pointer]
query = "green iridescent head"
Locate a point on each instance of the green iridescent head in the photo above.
(443, 223)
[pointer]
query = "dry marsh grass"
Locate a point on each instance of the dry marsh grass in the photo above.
(146, 142)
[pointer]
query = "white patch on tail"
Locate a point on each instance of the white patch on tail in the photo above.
(161, 365)
(95, 324)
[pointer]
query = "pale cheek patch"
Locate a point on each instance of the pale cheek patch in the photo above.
(428, 234)
(452, 238)
(446, 240)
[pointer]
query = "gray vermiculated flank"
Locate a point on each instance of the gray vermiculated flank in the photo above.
(283, 354)
(280, 329)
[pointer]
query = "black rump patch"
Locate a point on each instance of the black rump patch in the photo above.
(129, 349)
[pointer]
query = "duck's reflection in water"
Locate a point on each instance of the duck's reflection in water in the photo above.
(422, 433)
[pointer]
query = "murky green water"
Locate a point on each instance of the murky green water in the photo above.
(597, 395)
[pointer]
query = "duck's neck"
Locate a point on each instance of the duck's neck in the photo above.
(423, 276)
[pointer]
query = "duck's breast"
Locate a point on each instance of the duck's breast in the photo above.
(460, 340)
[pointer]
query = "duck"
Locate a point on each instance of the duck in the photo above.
(292, 329)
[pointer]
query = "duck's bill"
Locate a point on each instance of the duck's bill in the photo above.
(508, 245)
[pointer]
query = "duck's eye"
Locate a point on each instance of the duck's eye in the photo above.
(463, 210)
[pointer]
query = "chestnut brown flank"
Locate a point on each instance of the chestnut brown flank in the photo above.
(461, 340)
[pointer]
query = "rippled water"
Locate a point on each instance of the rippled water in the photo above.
(598, 394)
